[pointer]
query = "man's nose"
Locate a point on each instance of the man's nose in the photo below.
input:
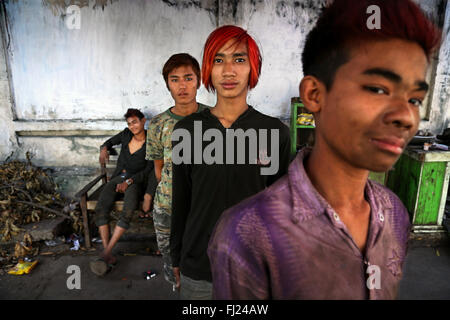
(228, 68)
(402, 114)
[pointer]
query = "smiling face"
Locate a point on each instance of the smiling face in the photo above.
(372, 109)
(135, 125)
(183, 83)
(231, 70)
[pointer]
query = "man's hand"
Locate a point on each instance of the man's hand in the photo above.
(147, 202)
(176, 272)
(122, 187)
(104, 155)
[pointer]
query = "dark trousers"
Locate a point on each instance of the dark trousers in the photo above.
(108, 196)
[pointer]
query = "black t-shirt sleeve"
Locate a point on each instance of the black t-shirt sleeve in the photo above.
(284, 154)
(181, 204)
(152, 183)
(143, 175)
(115, 140)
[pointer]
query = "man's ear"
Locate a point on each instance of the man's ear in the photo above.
(312, 93)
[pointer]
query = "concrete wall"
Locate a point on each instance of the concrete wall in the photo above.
(55, 82)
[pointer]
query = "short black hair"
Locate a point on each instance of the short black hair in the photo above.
(134, 113)
(179, 60)
(343, 25)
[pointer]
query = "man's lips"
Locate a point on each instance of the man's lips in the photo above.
(229, 85)
(391, 144)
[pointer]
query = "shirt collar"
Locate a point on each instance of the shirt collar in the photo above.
(307, 202)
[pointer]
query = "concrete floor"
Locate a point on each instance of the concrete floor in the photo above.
(426, 276)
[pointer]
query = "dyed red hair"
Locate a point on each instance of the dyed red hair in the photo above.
(343, 25)
(217, 40)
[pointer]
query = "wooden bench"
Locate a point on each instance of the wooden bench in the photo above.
(88, 196)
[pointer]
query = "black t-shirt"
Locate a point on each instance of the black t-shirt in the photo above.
(202, 191)
(135, 165)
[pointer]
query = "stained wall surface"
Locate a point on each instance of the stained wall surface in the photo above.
(63, 91)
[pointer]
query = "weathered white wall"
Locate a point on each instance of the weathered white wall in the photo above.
(85, 79)
(440, 111)
(113, 62)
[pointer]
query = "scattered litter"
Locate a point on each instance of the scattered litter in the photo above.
(28, 195)
(437, 253)
(23, 267)
(47, 253)
(58, 241)
(96, 240)
(149, 274)
(129, 254)
(76, 246)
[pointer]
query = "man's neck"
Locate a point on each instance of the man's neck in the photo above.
(185, 109)
(341, 184)
(229, 110)
(140, 136)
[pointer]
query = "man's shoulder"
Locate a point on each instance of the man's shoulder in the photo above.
(188, 121)
(160, 118)
(389, 200)
(273, 200)
(385, 195)
(268, 121)
(256, 217)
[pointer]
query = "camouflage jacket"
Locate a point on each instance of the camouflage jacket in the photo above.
(159, 146)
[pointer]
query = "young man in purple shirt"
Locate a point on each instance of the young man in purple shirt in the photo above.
(325, 231)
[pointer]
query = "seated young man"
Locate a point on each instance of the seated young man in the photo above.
(325, 231)
(132, 177)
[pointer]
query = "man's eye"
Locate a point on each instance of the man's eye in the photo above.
(174, 80)
(416, 102)
(217, 60)
(188, 79)
(376, 90)
(240, 60)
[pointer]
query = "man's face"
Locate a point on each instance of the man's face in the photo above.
(135, 124)
(231, 70)
(372, 109)
(183, 84)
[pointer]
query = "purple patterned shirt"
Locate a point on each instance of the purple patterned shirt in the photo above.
(287, 242)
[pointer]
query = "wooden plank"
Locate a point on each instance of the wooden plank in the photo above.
(87, 236)
(427, 156)
(404, 181)
(118, 205)
(66, 133)
(430, 193)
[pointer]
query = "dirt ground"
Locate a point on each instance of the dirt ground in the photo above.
(426, 276)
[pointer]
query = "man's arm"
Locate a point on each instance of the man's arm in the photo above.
(158, 168)
(108, 144)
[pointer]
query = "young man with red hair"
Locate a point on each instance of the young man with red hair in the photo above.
(204, 189)
(325, 231)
